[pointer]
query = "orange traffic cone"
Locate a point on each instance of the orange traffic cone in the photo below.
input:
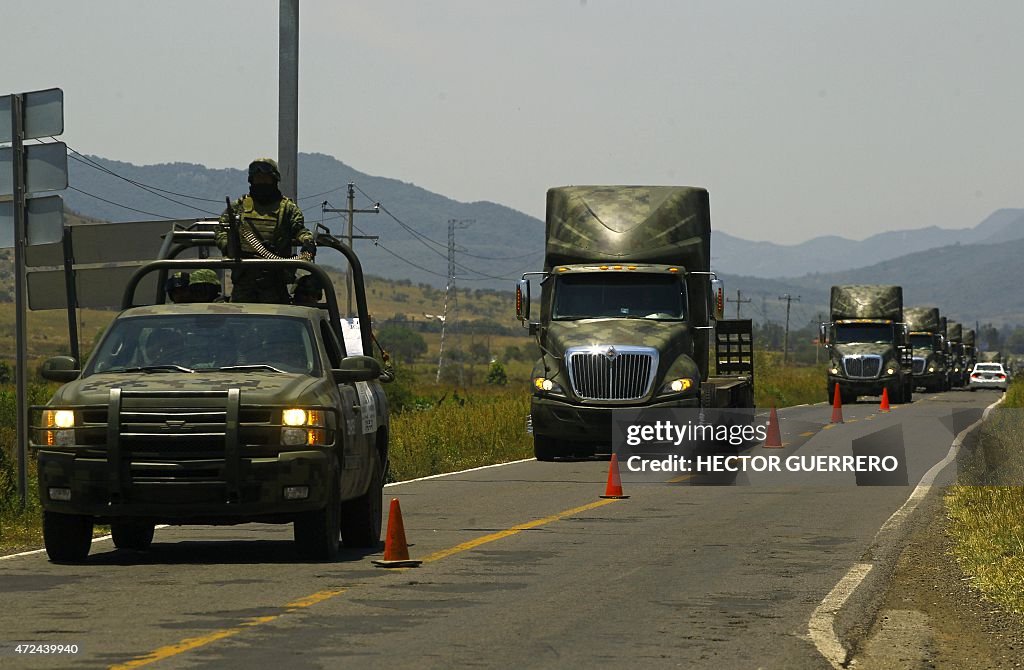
(837, 405)
(396, 551)
(884, 407)
(614, 487)
(774, 438)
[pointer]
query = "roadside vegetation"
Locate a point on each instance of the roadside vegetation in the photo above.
(986, 507)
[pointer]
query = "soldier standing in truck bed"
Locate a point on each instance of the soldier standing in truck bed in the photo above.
(276, 222)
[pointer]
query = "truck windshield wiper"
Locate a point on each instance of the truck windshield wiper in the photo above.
(153, 368)
(246, 368)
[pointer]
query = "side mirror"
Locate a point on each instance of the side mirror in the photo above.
(356, 369)
(523, 300)
(823, 334)
(717, 300)
(60, 369)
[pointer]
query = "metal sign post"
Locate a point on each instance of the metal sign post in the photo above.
(20, 332)
(37, 168)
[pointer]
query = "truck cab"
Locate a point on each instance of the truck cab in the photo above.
(217, 413)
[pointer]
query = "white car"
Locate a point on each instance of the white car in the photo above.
(988, 376)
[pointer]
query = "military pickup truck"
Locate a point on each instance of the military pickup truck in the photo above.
(628, 309)
(217, 413)
(868, 343)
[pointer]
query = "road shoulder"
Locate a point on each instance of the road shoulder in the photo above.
(931, 616)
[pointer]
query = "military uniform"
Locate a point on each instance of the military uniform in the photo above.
(276, 223)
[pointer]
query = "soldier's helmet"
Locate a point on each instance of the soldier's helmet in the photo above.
(204, 285)
(264, 166)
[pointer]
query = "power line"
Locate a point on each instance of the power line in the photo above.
(155, 190)
(117, 204)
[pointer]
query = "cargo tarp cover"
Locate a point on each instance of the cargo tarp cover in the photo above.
(668, 225)
(867, 302)
(922, 319)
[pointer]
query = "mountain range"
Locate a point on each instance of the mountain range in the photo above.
(970, 273)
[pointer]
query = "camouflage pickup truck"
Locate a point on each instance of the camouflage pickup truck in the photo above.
(216, 413)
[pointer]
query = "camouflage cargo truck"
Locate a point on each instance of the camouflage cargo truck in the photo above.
(217, 413)
(958, 373)
(929, 347)
(868, 343)
(627, 314)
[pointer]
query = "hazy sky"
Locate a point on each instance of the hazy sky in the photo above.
(802, 117)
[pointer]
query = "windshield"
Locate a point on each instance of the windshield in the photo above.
(198, 342)
(849, 333)
(641, 296)
(926, 341)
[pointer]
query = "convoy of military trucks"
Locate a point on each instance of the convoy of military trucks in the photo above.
(225, 413)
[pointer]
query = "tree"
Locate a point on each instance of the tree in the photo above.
(496, 374)
(405, 344)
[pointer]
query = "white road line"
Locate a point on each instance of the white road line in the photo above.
(101, 538)
(459, 472)
(821, 627)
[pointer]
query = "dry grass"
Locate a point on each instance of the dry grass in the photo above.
(986, 507)
(786, 385)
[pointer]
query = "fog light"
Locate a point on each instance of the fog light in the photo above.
(60, 494)
(296, 492)
(293, 437)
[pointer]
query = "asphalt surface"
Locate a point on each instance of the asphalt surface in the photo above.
(524, 567)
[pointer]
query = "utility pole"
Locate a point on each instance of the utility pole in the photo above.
(288, 96)
(785, 346)
(352, 211)
(738, 300)
(451, 293)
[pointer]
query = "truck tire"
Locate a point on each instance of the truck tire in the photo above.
(318, 533)
(67, 537)
(134, 535)
(361, 517)
(544, 448)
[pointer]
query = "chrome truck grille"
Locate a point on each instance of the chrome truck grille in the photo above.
(611, 372)
(862, 367)
(918, 368)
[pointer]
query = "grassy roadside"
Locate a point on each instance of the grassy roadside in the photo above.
(986, 507)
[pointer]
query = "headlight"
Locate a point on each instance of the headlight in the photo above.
(931, 368)
(834, 371)
(890, 371)
(303, 427)
(680, 385)
(63, 419)
(544, 385)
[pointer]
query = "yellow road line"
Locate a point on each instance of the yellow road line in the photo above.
(191, 643)
(809, 433)
(829, 426)
(680, 478)
(203, 640)
(466, 546)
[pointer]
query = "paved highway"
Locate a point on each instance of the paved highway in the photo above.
(524, 566)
